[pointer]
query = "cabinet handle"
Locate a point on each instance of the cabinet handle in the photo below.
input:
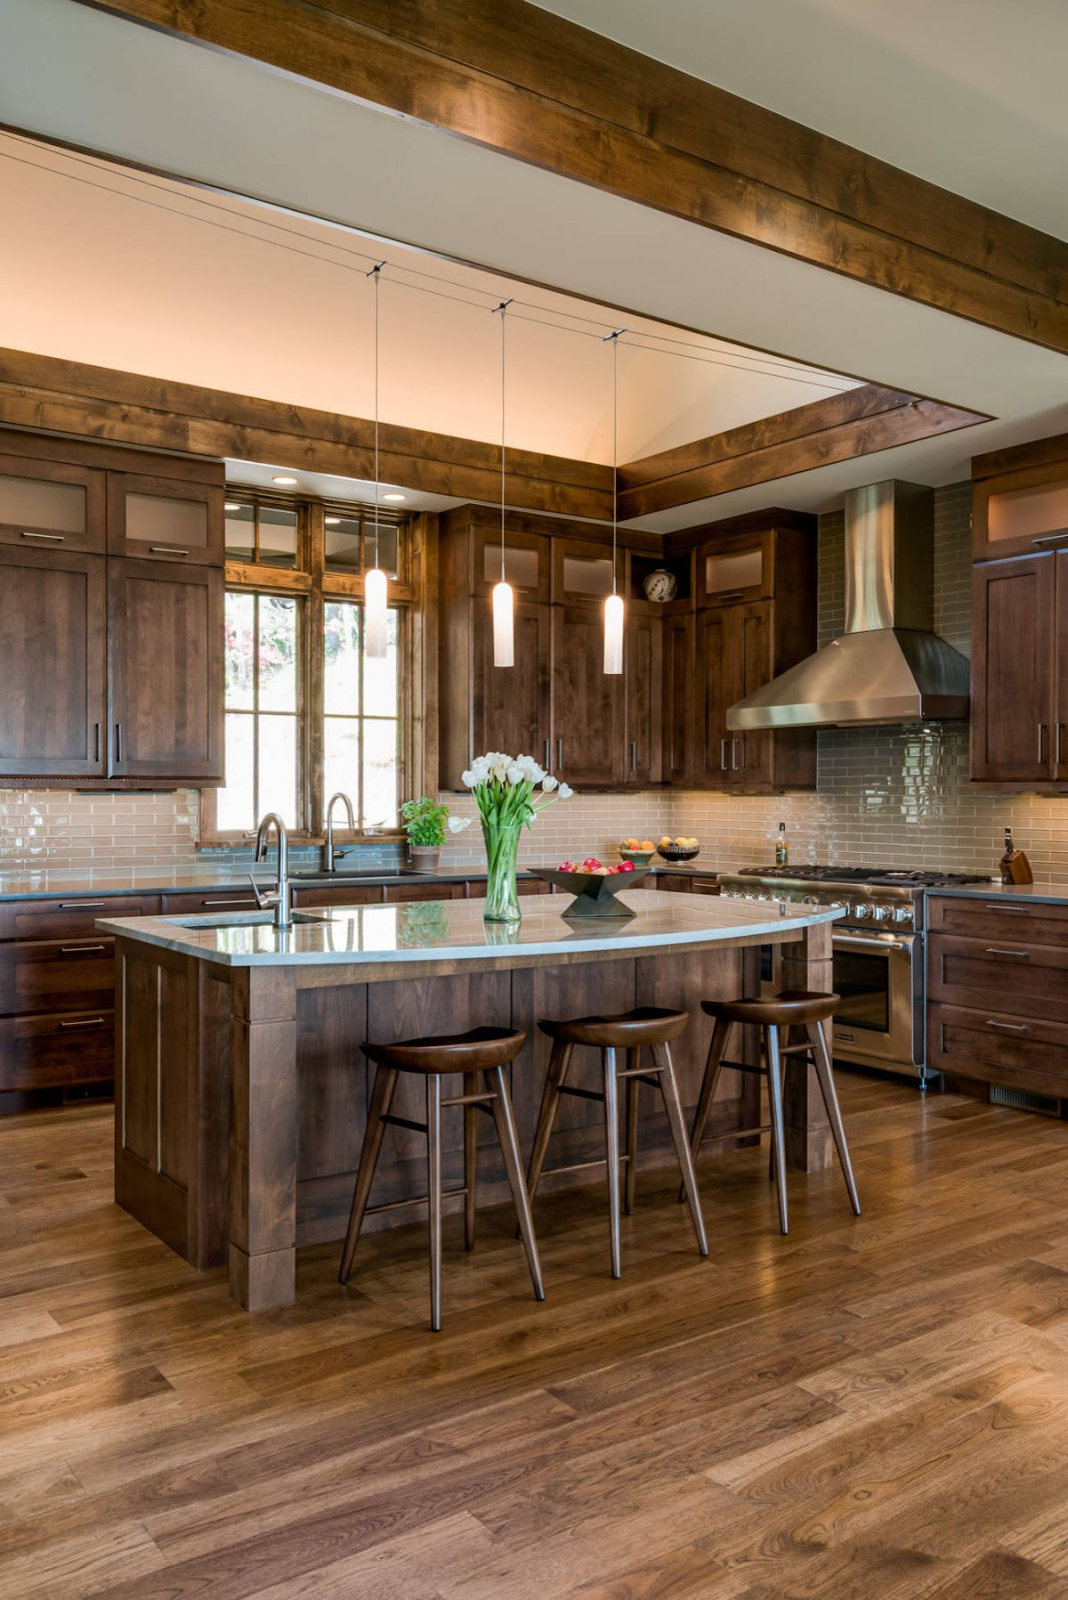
(560, 754)
(81, 949)
(992, 905)
(723, 755)
(166, 550)
(81, 905)
(90, 1022)
(1008, 1027)
(96, 741)
(734, 755)
(53, 538)
(118, 742)
(1052, 538)
(1060, 743)
(1041, 740)
(634, 755)
(548, 755)
(242, 900)
(735, 594)
(993, 950)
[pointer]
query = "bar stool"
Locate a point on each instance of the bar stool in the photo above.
(648, 1026)
(482, 1050)
(791, 1008)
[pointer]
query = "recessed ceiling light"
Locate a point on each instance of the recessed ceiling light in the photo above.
(394, 497)
(288, 482)
(332, 522)
(232, 505)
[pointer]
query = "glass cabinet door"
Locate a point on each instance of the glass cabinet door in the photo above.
(48, 505)
(735, 569)
(1022, 512)
(526, 563)
(582, 572)
(161, 519)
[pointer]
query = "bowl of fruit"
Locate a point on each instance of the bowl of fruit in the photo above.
(594, 886)
(640, 851)
(679, 849)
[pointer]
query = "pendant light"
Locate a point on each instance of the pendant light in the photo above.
(375, 619)
(503, 599)
(613, 606)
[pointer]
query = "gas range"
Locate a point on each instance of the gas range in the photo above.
(874, 896)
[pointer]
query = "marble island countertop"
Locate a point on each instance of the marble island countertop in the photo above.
(453, 930)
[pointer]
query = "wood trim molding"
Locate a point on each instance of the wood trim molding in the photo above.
(519, 80)
(1018, 457)
(859, 422)
(44, 392)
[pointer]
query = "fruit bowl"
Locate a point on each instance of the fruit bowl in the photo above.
(678, 852)
(595, 892)
(640, 858)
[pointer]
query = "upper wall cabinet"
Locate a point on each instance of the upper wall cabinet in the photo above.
(158, 519)
(113, 667)
(1021, 510)
(730, 569)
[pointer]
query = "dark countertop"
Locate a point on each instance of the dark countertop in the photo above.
(1040, 894)
(18, 885)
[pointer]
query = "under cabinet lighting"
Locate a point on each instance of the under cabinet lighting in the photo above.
(288, 483)
(395, 499)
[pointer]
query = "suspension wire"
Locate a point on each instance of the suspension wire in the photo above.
(502, 309)
(613, 339)
(374, 275)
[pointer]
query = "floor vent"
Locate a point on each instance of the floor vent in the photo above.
(1025, 1100)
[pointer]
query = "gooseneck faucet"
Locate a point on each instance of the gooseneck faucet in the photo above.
(329, 853)
(282, 901)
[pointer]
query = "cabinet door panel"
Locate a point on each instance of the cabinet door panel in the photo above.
(159, 519)
(1012, 670)
(51, 505)
(715, 692)
(510, 709)
(52, 627)
(750, 753)
(678, 717)
(165, 647)
(643, 688)
(1060, 648)
(587, 702)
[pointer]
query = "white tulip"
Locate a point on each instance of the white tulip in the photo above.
(515, 774)
(566, 791)
(548, 782)
(469, 778)
(458, 824)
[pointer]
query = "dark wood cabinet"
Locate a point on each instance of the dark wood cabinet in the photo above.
(510, 705)
(1015, 735)
(52, 623)
(678, 716)
(587, 703)
(715, 691)
(165, 642)
(156, 518)
(51, 505)
(643, 697)
(1021, 509)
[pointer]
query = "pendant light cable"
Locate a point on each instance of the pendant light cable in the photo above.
(613, 606)
(503, 599)
(375, 599)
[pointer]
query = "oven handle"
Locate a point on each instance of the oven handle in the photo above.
(858, 941)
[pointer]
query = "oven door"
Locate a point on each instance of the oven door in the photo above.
(879, 977)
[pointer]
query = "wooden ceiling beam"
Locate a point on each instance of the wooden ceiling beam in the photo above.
(519, 80)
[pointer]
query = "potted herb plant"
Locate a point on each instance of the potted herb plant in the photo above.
(424, 822)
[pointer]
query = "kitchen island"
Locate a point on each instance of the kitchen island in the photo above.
(241, 1091)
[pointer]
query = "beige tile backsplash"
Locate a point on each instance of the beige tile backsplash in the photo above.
(893, 796)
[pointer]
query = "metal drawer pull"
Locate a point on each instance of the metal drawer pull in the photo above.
(548, 755)
(723, 755)
(80, 905)
(1052, 538)
(992, 950)
(1008, 1027)
(53, 538)
(734, 755)
(244, 900)
(90, 1022)
(995, 905)
(81, 949)
(166, 550)
(1041, 741)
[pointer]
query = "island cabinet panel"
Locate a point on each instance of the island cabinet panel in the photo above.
(165, 643)
(332, 1075)
(52, 708)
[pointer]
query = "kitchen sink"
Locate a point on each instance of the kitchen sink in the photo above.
(244, 919)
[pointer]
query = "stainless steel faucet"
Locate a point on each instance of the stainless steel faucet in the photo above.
(329, 853)
(282, 901)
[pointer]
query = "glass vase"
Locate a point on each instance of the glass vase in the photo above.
(502, 891)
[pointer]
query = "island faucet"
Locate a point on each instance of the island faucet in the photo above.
(282, 901)
(330, 855)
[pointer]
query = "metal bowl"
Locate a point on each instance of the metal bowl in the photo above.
(595, 894)
(678, 852)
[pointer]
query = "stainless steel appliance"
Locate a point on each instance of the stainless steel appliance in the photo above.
(878, 952)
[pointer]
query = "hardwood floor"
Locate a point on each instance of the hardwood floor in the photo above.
(873, 1407)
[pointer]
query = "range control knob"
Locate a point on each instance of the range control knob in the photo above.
(861, 911)
(880, 913)
(903, 914)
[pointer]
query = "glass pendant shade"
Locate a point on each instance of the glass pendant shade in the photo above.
(503, 625)
(374, 612)
(613, 634)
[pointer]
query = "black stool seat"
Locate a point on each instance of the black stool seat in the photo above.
(475, 1051)
(789, 1007)
(628, 1031)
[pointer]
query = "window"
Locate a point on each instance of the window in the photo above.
(306, 714)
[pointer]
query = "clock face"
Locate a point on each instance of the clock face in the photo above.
(661, 585)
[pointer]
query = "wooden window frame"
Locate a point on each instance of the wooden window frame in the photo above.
(310, 583)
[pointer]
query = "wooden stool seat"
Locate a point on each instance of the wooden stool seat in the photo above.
(481, 1051)
(476, 1051)
(646, 1025)
(650, 1027)
(800, 1008)
(790, 1007)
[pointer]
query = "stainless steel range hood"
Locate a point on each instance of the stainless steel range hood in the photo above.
(888, 666)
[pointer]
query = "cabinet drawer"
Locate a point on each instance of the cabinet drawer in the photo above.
(525, 885)
(357, 894)
(425, 891)
(54, 1052)
(69, 919)
(1022, 980)
(57, 976)
(1003, 922)
(198, 902)
(998, 1049)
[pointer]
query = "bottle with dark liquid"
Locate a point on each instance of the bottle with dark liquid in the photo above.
(782, 847)
(1015, 867)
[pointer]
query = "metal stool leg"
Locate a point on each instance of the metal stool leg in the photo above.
(381, 1100)
(632, 1133)
(433, 1173)
(559, 1062)
(717, 1049)
(611, 1146)
(825, 1075)
(771, 1048)
(470, 1160)
(669, 1090)
(509, 1142)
